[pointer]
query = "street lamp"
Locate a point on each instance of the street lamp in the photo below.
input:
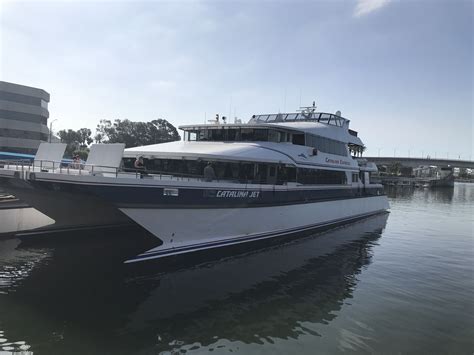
(51, 129)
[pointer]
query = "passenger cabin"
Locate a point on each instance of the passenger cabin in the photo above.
(294, 128)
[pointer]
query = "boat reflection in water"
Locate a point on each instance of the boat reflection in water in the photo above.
(72, 301)
(407, 194)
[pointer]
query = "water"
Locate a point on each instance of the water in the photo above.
(397, 283)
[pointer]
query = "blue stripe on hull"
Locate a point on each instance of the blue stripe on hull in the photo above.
(153, 196)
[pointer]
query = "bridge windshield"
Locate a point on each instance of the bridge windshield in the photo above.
(327, 118)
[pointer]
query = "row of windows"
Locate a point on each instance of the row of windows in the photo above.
(245, 172)
(326, 145)
(239, 135)
(328, 118)
(20, 116)
(323, 144)
(16, 133)
(23, 99)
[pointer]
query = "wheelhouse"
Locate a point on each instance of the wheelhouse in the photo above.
(257, 133)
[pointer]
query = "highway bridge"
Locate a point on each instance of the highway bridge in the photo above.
(416, 162)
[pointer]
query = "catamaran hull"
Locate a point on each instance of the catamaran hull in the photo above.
(65, 210)
(188, 230)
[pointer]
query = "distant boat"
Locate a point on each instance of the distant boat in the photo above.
(434, 176)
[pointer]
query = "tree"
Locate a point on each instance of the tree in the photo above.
(84, 136)
(135, 134)
(77, 141)
(394, 169)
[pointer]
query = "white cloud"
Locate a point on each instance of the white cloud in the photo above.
(365, 7)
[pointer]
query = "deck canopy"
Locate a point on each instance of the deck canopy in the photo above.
(250, 152)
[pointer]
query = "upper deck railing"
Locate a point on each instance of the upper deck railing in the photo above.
(322, 117)
(80, 169)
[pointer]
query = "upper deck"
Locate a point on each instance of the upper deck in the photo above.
(302, 128)
(305, 116)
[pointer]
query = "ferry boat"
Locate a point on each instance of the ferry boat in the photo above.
(224, 184)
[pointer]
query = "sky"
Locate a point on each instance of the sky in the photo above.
(401, 71)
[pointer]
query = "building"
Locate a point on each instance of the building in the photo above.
(23, 118)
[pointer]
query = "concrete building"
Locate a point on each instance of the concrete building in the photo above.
(23, 118)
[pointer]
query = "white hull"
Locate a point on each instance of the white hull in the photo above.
(187, 230)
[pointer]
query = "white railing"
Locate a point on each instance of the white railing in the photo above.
(56, 167)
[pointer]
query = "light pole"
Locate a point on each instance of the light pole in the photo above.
(51, 129)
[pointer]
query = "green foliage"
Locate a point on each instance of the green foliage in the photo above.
(394, 169)
(83, 153)
(76, 141)
(135, 134)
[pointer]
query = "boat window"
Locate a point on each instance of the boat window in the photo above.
(324, 117)
(298, 139)
(272, 171)
(273, 136)
(321, 177)
(261, 135)
(326, 145)
(203, 135)
(280, 117)
(247, 134)
(217, 134)
(233, 135)
(250, 134)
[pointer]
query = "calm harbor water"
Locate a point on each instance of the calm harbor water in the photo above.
(396, 283)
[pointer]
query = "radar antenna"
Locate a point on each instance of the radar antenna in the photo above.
(307, 111)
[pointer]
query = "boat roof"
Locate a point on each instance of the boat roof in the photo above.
(245, 151)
